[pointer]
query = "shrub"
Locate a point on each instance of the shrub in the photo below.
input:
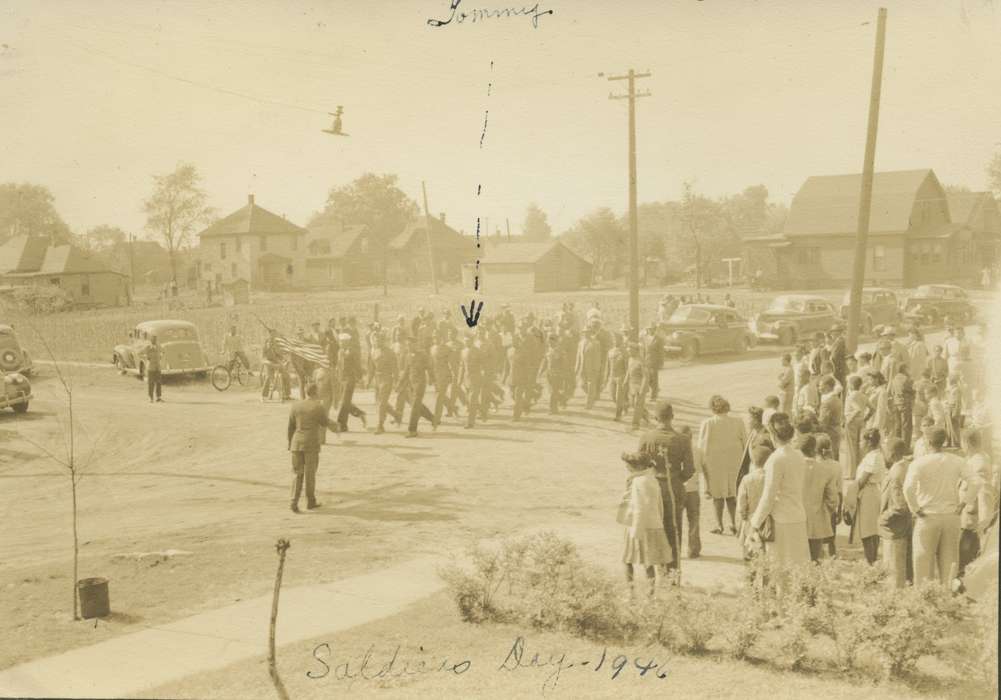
(39, 299)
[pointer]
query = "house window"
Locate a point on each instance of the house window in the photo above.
(936, 253)
(54, 281)
(295, 243)
(232, 270)
(85, 288)
(925, 253)
(879, 258)
(264, 244)
(239, 245)
(222, 251)
(808, 256)
(288, 271)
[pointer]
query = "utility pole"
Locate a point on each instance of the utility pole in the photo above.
(427, 226)
(865, 197)
(634, 262)
(507, 223)
(132, 268)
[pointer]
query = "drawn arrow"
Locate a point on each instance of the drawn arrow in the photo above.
(473, 315)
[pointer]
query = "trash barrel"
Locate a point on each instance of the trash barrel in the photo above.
(93, 594)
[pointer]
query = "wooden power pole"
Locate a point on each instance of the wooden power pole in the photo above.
(865, 197)
(634, 262)
(427, 226)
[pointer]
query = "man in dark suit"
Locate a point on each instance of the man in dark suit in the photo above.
(305, 422)
(838, 355)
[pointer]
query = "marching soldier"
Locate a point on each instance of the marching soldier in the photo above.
(384, 373)
(522, 377)
(553, 367)
(441, 365)
(471, 378)
(350, 363)
(418, 373)
(589, 367)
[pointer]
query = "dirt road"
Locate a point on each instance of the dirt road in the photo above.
(207, 473)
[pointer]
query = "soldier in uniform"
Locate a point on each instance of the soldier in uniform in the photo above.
(384, 372)
(636, 380)
(653, 359)
(441, 366)
(674, 465)
(273, 366)
(471, 378)
(332, 348)
(553, 367)
(522, 377)
(306, 418)
(418, 373)
(589, 367)
(350, 363)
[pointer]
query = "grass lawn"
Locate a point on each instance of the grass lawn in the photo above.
(430, 632)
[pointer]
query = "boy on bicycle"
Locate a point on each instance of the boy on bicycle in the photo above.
(233, 350)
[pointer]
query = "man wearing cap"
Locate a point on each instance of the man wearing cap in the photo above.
(838, 353)
(653, 358)
(553, 368)
(674, 464)
(350, 364)
(588, 367)
(384, 372)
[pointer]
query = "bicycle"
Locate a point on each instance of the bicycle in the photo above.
(279, 375)
(223, 375)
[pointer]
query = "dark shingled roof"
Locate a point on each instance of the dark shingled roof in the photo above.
(251, 220)
(828, 204)
(340, 240)
(23, 253)
(520, 253)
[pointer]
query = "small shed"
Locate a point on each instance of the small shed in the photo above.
(548, 266)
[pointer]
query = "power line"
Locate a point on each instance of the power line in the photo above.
(196, 83)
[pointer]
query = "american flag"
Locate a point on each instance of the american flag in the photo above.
(311, 352)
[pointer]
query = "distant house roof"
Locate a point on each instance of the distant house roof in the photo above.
(830, 203)
(251, 220)
(68, 259)
(23, 253)
(521, 253)
(965, 207)
(440, 233)
(339, 239)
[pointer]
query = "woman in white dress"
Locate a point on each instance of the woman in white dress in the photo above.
(869, 478)
(721, 441)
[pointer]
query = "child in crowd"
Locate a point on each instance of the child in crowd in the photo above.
(642, 514)
(954, 408)
(787, 383)
(826, 461)
(771, 408)
(920, 409)
(748, 496)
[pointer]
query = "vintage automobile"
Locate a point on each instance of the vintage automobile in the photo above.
(793, 316)
(696, 329)
(182, 351)
(880, 307)
(15, 391)
(13, 358)
(931, 304)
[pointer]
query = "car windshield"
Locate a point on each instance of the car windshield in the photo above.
(785, 304)
(926, 291)
(689, 314)
(175, 333)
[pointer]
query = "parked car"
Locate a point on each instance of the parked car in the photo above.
(696, 329)
(182, 351)
(931, 304)
(880, 307)
(15, 391)
(13, 358)
(793, 316)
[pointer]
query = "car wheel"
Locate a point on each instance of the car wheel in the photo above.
(20, 407)
(741, 344)
(119, 365)
(787, 336)
(689, 350)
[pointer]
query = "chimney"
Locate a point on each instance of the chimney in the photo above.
(441, 217)
(250, 199)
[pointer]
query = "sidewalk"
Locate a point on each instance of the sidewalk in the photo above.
(131, 663)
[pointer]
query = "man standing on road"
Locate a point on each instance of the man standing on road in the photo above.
(305, 421)
(653, 359)
(931, 490)
(674, 465)
(153, 354)
(588, 367)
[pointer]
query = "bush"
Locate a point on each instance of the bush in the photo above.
(41, 299)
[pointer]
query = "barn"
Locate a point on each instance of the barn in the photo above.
(548, 266)
(912, 238)
(86, 278)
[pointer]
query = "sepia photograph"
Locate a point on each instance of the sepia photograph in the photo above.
(482, 349)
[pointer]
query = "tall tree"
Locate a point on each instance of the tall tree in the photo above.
(994, 174)
(375, 202)
(602, 237)
(536, 225)
(708, 231)
(29, 210)
(104, 238)
(176, 208)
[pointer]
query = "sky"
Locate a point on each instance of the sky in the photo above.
(97, 97)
